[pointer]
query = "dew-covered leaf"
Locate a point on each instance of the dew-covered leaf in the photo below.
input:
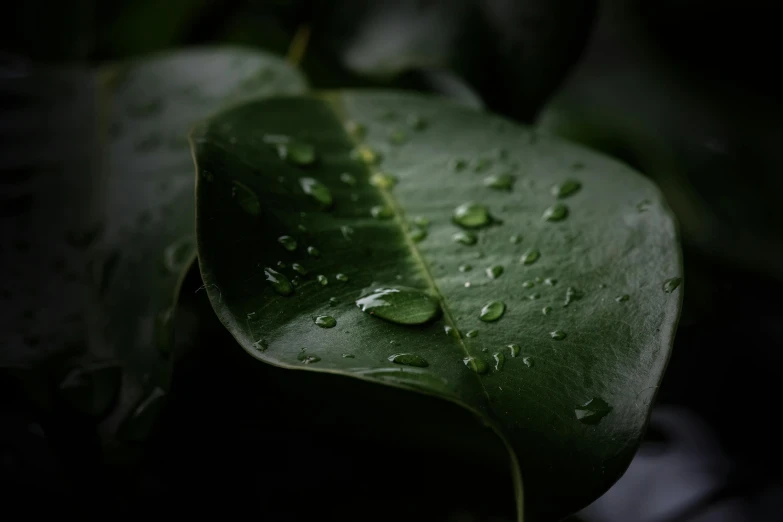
(540, 349)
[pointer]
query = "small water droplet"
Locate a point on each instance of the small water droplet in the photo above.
(495, 271)
(500, 360)
(416, 122)
(397, 137)
(280, 264)
(546, 310)
(314, 252)
(333, 301)
(670, 285)
(514, 349)
(602, 285)
(467, 284)
(492, 311)
(296, 152)
(383, 181)
(420, 221)
(466, 238)
(366, 155)
(409, 359)
(551, 281)
(278, 281)
(245, 198)
(515, 239)
(556, 212)
(355, 129)
(643, 205)
(348, 356)
(418, 234)
(288, 242)
(308, 359)
(500, 182)
(177, 254)
(458, 165)
(401, 305)
(482, 164)
(471, 334)
(347, 232)
(622, 298)
(381, 212)
(530, 256)
(592, 411)
(471, 215)
(557, 335)
(325, 321)
(261, 345)
(527, 362)
(296, 281)
(465, 268)
(299, 268)
(475, 364)
(572, 294)
(567, 188)
(450, 331)
(302, 228)
(341, 277)
(316, 190)
(348, 178)
(322, 279)
(528, 284)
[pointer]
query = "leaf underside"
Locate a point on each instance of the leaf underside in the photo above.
(572, 407)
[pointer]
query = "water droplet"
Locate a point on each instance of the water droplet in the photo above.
(420, 221)
(557, 335)
(341, 277)
(471, 334)
(492, 311)
(280, 264)
(458, 165)
(622, 298)
(381, 212)
(514, 349)
(515, 239)
(302, 228)
(333, 301)
(296, 281)
(366, 155)
(467, 284)
(325, 321)
(261, 345)
(465, 268)
(322, 279)
(348, 178)
(567, 188)
(466, 238)
(551, 281)
(316, 190)
(418, 234)
(278, 281)
(592, 411)
(245, 198)
(397, 137)
(383, 181)
(500, 360)
(409, 359)
(500, 182)
(534, 296)
(355, 129)
(296, 152)
(528, 284)
(450, 331)
(546, 310)
(178, 254)
(299, 268)
(471, 215)
(556, 212)
(308, 359)
(416, 122)
(530, 256)
(348, 356)
(495, 271)
(527, 361)
(401, 305)
(347, 232)
(475, 364)
(670, 285)
(288, 242)
(643, 205)
(572, 294)
(601, 285)
(482, 164)
(314, 252)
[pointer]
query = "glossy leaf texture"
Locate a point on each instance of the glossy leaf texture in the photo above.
(149, 196)
(529, 328)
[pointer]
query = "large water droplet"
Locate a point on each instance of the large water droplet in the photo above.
(314, 252)
(557, 335)
(530, 256)
(471, 334)
(383, 181)
(409, 359)
(466, 238)
(500, 360)
(288, 242)
(592, 411)
(316, 190)
(495, 271)
(471, 215)
(475, 364)
(492, 311)
(566, 188)
(308, 359)
(278, 281)
(325, 321)
(514, 349)
(670, 285)
(500, 182)
(245, 198)
(399, 304)
(572, 294)
(299, 268)
(322, 279)
(296, 152)
(556, 212)
(381, 212)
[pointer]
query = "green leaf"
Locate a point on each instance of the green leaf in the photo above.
(149, 194)
(572, 399)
